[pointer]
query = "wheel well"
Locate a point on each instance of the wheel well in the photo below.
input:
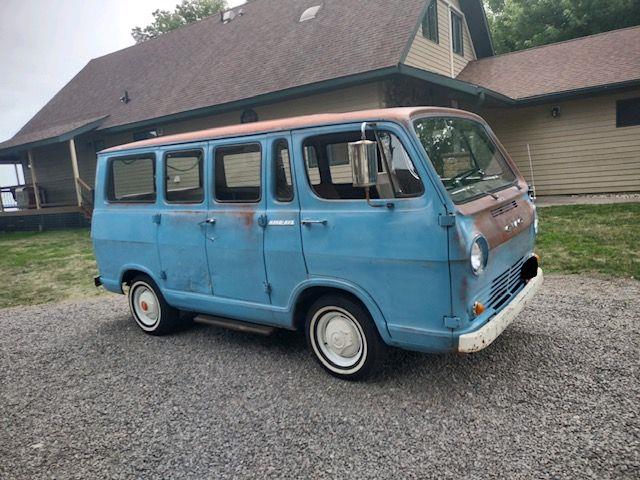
(129, 275)
(310, 295)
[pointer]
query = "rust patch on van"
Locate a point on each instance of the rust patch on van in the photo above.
(245, 217)
(501, 229)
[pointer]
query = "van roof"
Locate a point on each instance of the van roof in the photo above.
(398, 115)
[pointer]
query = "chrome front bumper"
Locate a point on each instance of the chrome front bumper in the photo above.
(484, 336)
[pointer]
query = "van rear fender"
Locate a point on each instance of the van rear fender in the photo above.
(128, 272)
(336, 285)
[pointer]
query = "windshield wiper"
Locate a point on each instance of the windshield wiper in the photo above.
(470, 187)
(461, 176)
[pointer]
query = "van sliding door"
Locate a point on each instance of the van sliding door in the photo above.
(234, 236)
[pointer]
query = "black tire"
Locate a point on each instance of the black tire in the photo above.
(167, 319)
(349, 324)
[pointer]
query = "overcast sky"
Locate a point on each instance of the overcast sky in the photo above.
(43, 44)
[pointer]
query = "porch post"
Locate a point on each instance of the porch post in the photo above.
(15, 166)
(34, 181)
(76, 173)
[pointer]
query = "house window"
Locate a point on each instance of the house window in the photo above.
(430, 22)
(132, 179)
(237, 173)
(145, 135)
(456, 33)
(183, 172)
(628, 112)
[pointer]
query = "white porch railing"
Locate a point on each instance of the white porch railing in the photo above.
(8, 201)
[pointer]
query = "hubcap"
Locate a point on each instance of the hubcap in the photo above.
(145, 304)
(339, 338)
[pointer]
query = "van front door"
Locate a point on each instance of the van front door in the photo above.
(180, 220)
(394, 251)
(234, 234)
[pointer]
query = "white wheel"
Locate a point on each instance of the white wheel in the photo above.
(149, 308)
(343, 337)
(146, 306)
(338, 340)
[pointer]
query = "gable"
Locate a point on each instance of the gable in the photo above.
(437, 55)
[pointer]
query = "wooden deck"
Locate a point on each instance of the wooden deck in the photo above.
(42, 211)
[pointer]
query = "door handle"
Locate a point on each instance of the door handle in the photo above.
(208, 221)
(313, 222)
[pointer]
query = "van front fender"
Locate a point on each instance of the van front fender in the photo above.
(349, 287)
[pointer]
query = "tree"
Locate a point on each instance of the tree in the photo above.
(519, 24)
(189, 11)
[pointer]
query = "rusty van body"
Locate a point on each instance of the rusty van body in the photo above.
(404, 227)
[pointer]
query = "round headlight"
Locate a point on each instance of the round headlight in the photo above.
(479, 253)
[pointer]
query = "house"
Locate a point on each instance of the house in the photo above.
(573, 108)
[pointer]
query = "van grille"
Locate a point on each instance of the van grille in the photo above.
(506, 285)
(496, 212)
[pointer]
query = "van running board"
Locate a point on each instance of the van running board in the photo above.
(236, 325)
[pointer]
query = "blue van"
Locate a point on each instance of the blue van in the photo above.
(407, 227)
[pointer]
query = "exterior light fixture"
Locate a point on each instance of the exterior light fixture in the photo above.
(249, 116)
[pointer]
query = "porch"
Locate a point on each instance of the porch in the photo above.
(62, 200)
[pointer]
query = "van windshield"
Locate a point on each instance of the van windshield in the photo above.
(464, 156)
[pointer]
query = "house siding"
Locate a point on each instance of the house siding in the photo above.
(338, 101)
(581, 151)
(436, 57)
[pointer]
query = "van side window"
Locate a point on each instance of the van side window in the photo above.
(132, 179)
(282, 172)
(237, 173)
(397, 176)
(183, 172)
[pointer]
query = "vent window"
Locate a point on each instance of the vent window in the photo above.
(310, 13)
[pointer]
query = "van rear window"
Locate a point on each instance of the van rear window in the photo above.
(132, 179)
(237, 173)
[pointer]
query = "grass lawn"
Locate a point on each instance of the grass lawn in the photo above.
(591, 239)
(53, 266)
(46, 267)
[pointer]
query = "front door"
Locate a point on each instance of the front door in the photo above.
(284, 258)
(181, 220)
(392, 247)
(234, 234)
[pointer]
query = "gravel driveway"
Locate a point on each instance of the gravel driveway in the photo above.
(85, 394)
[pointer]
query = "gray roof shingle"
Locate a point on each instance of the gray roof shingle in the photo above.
(603, 59)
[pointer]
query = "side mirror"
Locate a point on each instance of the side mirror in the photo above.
(363, 157)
